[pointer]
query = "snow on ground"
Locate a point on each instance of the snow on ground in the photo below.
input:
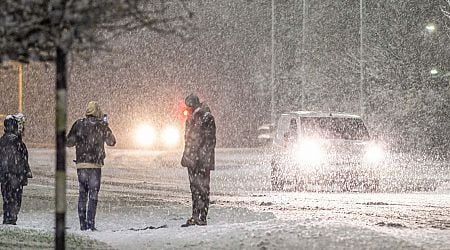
(148, 188)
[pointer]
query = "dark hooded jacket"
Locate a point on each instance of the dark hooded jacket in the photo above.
(13, 154)
(200, 139)
(89, 136)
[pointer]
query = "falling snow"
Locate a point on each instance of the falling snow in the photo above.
(385, 61)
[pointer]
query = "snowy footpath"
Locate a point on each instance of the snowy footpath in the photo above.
(145, 197)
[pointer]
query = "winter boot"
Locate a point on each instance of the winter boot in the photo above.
(203, 215)
(9, 222)
(190, 222)
(83, 225)
(202, 222)
(91, 226)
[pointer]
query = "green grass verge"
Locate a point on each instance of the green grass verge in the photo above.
(16, 238)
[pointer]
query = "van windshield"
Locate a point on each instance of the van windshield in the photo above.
(334, 128)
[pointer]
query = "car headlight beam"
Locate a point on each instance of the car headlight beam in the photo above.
(309, 152)
(145, 135)
(170, 136)
(374, 154)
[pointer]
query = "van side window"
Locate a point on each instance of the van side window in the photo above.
(291, 135)
(282, 128)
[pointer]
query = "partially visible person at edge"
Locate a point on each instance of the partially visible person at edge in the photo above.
(89, 136)
(198, 157)
(14, 167)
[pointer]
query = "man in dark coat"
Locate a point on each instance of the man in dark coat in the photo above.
(198, 157)
(89, 135)
(14, 169)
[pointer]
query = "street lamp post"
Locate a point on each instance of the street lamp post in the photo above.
(272, 85)
(303, 84)
(361, 63)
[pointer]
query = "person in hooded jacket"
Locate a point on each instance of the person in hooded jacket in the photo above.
(89, 136)
(14, 169)
(198, 157)
(20, 118)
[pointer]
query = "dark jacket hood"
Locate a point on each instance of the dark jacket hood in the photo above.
(11, 126)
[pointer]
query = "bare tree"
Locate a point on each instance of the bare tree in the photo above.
(47, 30)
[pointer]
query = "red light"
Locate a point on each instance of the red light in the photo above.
(182, 112)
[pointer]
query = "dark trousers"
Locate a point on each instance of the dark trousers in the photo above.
(199, 182)
(12, 199)
(89, 185)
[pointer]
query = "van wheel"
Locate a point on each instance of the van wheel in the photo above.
(276, 179)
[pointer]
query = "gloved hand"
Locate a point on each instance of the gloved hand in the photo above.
(105, 120)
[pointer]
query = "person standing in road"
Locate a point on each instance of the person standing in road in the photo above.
(14, 167)
(89, 136)
(198, 157)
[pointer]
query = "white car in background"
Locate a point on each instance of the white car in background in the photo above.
(265, 134)
(324, 151)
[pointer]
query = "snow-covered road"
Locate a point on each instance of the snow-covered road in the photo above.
(149, 188)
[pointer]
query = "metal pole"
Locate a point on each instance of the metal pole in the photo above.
(60, 175)
(361, 64)
(303, 84)
(273, 87)
(20, 87)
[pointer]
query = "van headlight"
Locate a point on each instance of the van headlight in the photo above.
(309, 152)
(374, 154)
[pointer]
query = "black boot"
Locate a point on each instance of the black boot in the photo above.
(202, 220)
(9, 222)
(91, 226)
(83, 224)
(191, 222)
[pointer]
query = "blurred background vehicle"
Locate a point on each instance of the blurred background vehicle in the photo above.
(265, 134)
(330, 151)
